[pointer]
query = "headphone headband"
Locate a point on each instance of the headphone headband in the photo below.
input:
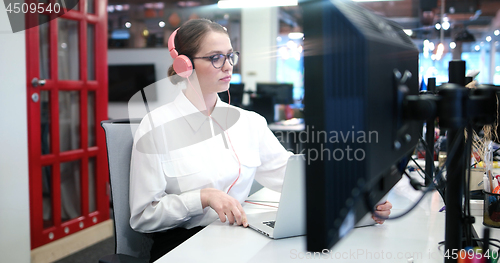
(171, 45)
(182, 64)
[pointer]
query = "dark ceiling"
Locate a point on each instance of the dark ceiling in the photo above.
(478, 16)
(167, 2)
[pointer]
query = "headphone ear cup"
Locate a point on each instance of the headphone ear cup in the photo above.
(183, 66)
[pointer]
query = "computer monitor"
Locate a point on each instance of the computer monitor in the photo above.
(235, 78)
(236, 91)
(126, 80)
(281, 92)
(358, 141)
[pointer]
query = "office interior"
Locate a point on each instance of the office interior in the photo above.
(271, 44)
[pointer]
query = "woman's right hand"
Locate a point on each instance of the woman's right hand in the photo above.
(224, 205)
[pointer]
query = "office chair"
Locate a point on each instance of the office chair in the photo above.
(130, 246)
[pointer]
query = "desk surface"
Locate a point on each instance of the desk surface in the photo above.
(281, 127)
(416, 236)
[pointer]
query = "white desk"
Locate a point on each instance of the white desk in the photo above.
(414, 236)
(292, 128)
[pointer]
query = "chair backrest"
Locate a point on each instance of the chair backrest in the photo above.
(119, 141)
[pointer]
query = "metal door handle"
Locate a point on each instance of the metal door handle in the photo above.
(36, 82)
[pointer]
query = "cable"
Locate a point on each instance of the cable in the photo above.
(491, 239)
(420, 185)
(429, 189)
(407, 211)
(419, 169)
(230, 142)
(253, 203)
(225, 132)
(428, 151)
(259, 201)
(441, 243)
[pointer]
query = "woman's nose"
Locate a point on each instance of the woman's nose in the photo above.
(227, 66)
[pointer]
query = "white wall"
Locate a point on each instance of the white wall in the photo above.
(14, 186)
(259, 30)
(160, 57)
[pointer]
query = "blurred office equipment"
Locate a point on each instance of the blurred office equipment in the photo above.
(236, 91)
(281, 92)
(267, 98)
(126, 80)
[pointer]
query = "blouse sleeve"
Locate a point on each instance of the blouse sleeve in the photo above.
(273, 157)
(151, 208)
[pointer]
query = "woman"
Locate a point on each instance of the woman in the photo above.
(190, 165)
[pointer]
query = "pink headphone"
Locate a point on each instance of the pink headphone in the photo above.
(182, 64)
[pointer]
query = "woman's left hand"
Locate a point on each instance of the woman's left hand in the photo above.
(382, 210)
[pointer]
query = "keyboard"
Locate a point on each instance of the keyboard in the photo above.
(269, 223)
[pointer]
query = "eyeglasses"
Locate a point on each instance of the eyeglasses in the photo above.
(218, 60)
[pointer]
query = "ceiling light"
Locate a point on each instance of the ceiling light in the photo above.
(477, 47)
(128, 24)
(223, 4)
(161, 24)
(488, 38)
(446, 25)
(438, 26)
(188, 3)
(431, 46)
(497, 32)
(453, 45)
(295, 35)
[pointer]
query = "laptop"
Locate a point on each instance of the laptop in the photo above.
(290, 218)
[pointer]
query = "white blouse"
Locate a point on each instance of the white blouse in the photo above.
(187, 151)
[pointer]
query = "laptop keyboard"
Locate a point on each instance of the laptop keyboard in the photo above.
(269, 223)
